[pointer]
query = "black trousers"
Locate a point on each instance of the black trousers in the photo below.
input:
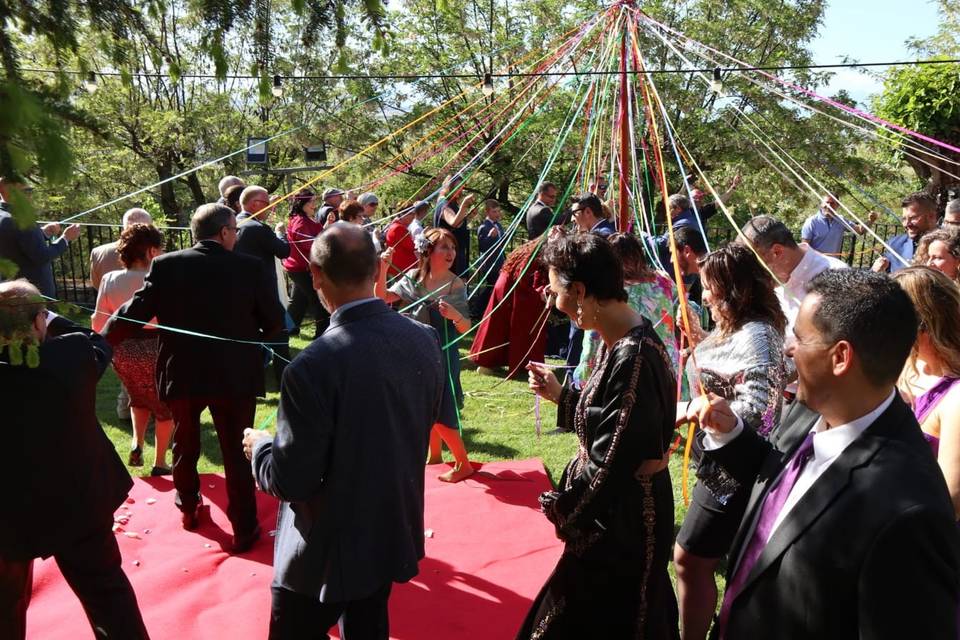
(91, 566)
(297, 616)
(305, 299)
(231, 415)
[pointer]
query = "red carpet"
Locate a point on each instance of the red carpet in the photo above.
(490, 552)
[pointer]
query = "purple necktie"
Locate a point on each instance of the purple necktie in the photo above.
(772, 505)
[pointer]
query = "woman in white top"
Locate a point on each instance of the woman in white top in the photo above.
(135, 360)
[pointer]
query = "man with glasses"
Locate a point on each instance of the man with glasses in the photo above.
(32, 249)
(224, 304)
(256, 238)
(587, 213)
(540, 214)
(598, 187)
(951, 217)
(919, 217)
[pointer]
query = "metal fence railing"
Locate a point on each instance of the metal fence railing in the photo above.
(72, 269)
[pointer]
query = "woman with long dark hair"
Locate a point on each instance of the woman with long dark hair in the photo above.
(432, 294)
(613, 507)
(742, 360)
(302, 228)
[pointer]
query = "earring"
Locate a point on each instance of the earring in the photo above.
(580, 312)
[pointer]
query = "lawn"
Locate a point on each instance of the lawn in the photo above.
(497, 420)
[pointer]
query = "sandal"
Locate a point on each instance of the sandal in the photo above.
(160, 471)
(136, 457)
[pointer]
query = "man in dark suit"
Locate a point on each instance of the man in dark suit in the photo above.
(63, 475)
(256, 238)
(30, 248)
(227, 298)
(348, 458)
(849, 532)
(490, 239)
(540, 215)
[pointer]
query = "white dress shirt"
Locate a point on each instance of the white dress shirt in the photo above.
(791, 293)
(828, 444)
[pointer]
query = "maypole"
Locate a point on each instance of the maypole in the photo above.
(623, 210)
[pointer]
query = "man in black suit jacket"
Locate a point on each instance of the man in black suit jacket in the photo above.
(63, 477)
(256, 238)
(849, 532)
(348, 458)
(540, 215)
(227, 298)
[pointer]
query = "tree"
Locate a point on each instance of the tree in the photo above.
(37, 114)
(925, 99)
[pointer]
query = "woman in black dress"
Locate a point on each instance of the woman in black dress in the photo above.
(613, 507)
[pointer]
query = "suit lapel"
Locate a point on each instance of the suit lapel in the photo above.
(793, 429)
(828, 487)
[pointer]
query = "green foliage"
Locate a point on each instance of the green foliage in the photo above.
(38, 117)
(925, 99)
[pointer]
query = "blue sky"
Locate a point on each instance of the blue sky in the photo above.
(869, 31)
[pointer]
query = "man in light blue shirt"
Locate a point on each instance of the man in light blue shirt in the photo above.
(919, 217)
(824, 230)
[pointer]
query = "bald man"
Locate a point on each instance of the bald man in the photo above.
(104, 259)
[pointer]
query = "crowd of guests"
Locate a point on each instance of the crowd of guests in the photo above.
(827, 455)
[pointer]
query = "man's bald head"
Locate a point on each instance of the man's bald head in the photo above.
(228, 181)
(136, 216)
(20, 302)
(346, 255)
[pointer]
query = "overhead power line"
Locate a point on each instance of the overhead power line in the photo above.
(472, 76)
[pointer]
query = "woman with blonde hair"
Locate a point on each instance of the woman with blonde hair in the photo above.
(432, 294)
(931, 375)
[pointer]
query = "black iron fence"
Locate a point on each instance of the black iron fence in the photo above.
(72, 269)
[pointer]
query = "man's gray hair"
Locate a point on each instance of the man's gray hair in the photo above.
(679, 201)
(136, 215)
(207, 221)
(953, 206)
(228, 181)
(766, 231)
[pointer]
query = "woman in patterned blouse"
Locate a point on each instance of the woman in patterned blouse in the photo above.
(742, 360)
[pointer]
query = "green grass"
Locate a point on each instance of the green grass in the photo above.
(497, 420)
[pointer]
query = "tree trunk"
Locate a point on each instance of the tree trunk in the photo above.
(168, 197)
(196, 189)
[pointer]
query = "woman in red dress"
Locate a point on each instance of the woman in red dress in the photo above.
(512, 331)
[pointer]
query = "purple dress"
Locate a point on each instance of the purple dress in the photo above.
(928, 401)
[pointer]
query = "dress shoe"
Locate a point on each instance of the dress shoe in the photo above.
(191, 519)
(244, 542)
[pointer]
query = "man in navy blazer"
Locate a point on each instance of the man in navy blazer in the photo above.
(50, 423)
(849, 531)
(31, 249)
(919, 217)
(356, 408)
